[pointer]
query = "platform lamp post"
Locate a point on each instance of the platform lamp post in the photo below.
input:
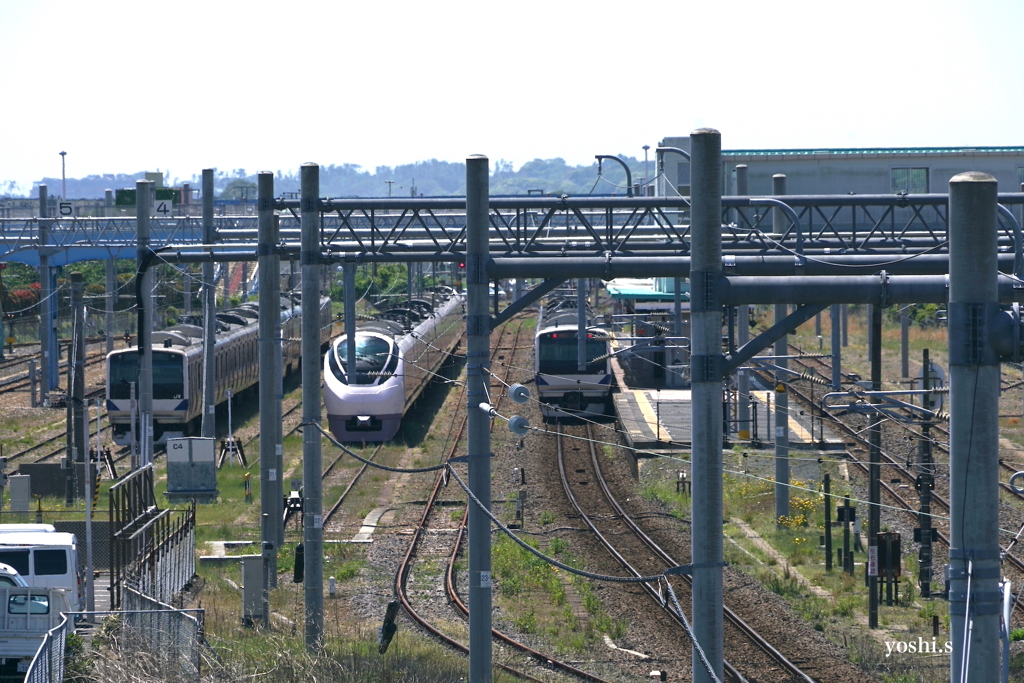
(63, 178)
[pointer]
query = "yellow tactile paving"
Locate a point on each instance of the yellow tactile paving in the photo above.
(796, 430)
(650, 415)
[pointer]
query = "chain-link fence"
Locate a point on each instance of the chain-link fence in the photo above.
(25, 330)
(149, 636)
(168, 561)
(48, 664)
(158, 635)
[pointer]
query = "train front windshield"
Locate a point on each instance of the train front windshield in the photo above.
(559, 354)
(168, 376)
(372, 355)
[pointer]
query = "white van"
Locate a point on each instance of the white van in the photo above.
(45, 560)
(24, 528)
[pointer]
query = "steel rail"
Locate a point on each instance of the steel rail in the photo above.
(665, 557)
(449, 575)
(654, 594)
(402, 575)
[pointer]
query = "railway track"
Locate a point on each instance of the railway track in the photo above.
(607, 519)
(19, 381)
(898, 475)
(401, 587)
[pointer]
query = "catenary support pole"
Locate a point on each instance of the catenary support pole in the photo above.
(673, 377)
(110, 297)
(187, 294)
(209, 425)
(904, 341)
(845, 316)
(974, 431)
(312, 511)
(837, 350)
(875, 461)
(350, 321)
(742, 321)
(706, 405)
(581, 324)
(143, 190)
(478, 345)
(76, 352)
(781, 397)
(925, 483)
(47, 348)
(271, 494)
(743, 374)
(81, 412)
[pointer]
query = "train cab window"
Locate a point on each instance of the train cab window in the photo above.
(168, 376)
(124, 369)
(372, 355)
(558, 354)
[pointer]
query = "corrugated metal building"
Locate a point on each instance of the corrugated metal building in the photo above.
(915, 170)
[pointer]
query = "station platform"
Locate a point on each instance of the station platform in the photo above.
(660, 420)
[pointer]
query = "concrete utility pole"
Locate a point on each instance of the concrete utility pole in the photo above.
(81, 422)
(312, 484)
(837, 352)
(271, 493)
(478, 354)
(350, 321)
(874, 461)
(905, 341)
(77, 385)
(781, 397)
(974, 601)
(209, 425)
(111, 297)
(706, 406)
(47, 344)
(143, 193)
(63, 178)
(743, 336)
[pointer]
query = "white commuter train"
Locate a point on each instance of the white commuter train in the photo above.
(563, 390)
(178, 367)
(396, 357)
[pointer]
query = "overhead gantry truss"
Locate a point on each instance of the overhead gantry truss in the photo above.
(791, 224)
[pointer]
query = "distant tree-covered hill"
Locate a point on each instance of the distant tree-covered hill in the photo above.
(431, 178)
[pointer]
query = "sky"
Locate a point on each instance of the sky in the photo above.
(124, 87)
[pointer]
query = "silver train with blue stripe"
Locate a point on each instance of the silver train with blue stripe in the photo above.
(562, 388)
(178, 366)
(397, 356)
